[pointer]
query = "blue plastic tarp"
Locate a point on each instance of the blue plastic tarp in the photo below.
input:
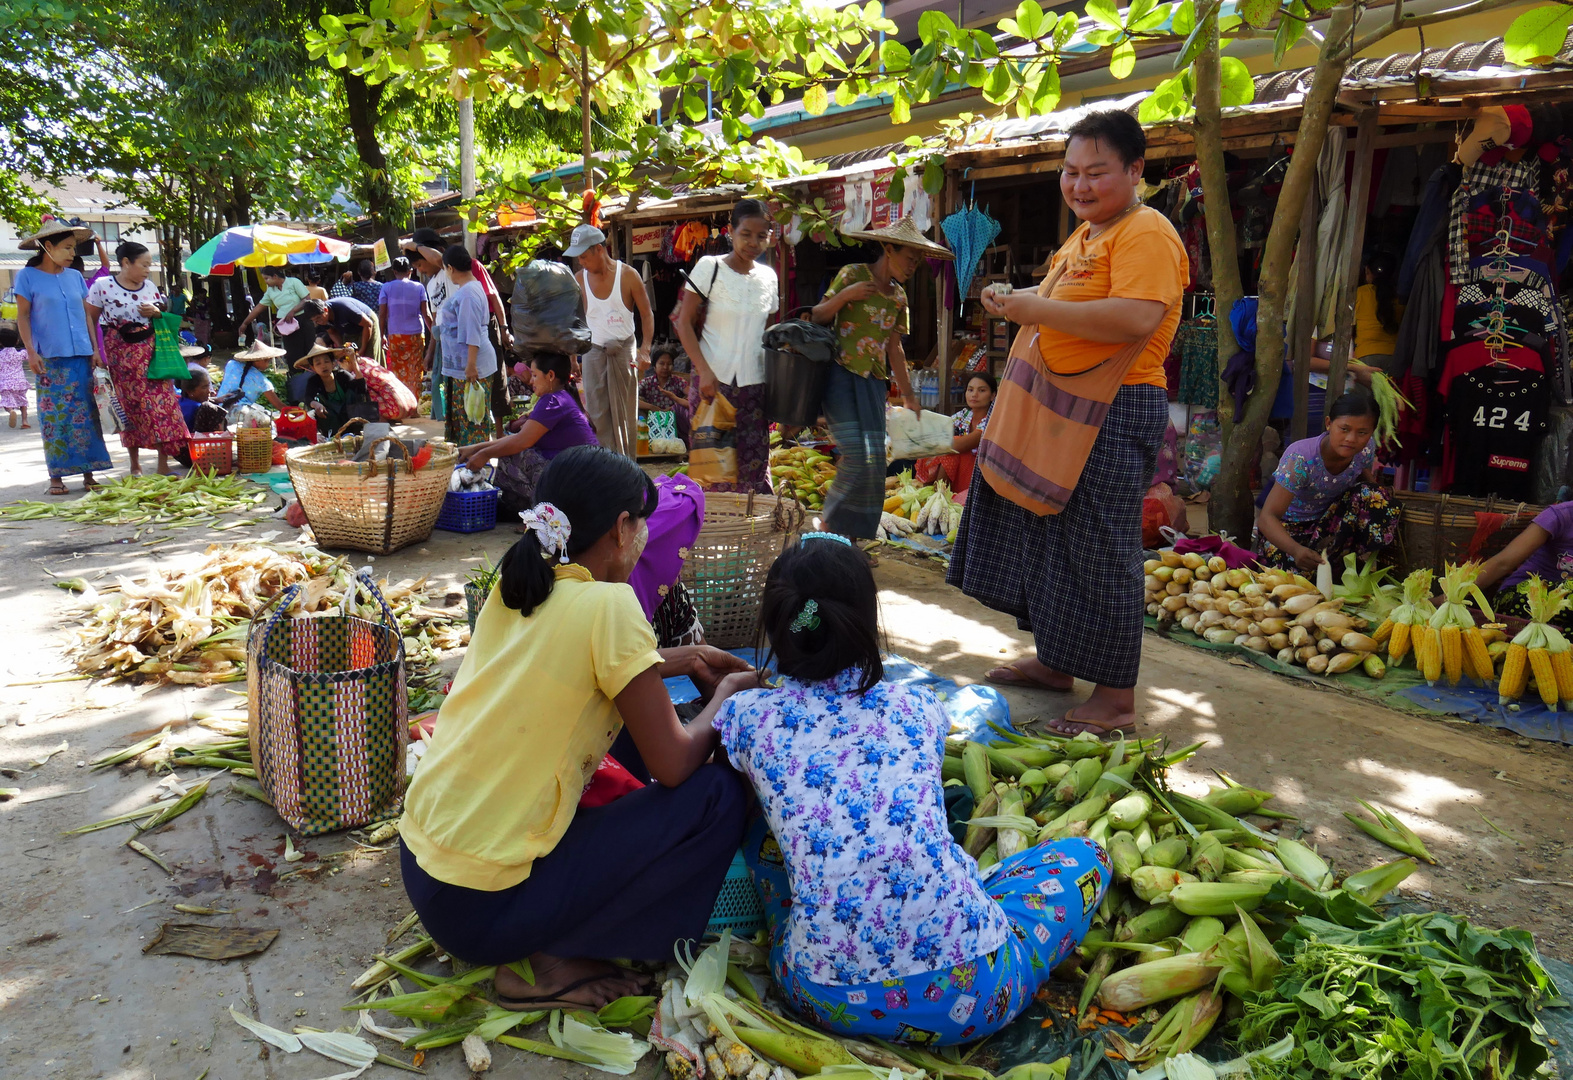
(1528, 718)
(971, 708)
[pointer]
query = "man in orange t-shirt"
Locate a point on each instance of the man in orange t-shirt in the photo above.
(1074, 578)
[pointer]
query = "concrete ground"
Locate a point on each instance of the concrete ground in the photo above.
(78, 999)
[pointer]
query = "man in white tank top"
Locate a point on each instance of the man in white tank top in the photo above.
(609, 372)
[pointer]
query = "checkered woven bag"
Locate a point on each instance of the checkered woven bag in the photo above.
(329, 716)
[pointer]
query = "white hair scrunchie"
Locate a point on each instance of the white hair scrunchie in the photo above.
(551, 529)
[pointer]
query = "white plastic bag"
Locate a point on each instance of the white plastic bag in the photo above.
(924, 435)
(111, 417)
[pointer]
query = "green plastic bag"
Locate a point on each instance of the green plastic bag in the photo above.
(167, 363)
(477, 401)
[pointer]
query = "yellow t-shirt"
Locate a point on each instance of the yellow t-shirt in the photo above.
(530, 717)
(1370, 338)
(1140, 258)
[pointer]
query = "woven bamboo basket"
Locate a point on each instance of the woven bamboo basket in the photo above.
(253, 449)
(1434, 529)
(725, 570)
(372, 506)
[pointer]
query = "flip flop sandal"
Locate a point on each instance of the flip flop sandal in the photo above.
(1100, 730)
(61, 490)
(1017, 679)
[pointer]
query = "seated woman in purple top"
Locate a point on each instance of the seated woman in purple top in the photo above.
(1325, 499)
(556, 423)
(1545, 548)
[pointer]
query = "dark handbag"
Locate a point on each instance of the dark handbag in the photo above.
(131, 333)
(704, 297)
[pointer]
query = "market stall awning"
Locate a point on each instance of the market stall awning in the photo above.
(263, 245)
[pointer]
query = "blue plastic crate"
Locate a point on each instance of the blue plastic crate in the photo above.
(469, 511)
(737, 908)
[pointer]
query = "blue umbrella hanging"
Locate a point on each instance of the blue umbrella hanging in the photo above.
(970, 232)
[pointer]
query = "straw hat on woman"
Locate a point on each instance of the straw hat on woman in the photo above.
(51, 315)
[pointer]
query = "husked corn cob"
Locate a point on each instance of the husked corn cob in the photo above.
(1398, 643)
(1452, 654)
(1479, 658)
(1428, 653)
(1515, 674)
(1562, 666)
(1545, 677)
(1384, 631)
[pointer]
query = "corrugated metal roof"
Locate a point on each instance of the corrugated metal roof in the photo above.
(1453, 64)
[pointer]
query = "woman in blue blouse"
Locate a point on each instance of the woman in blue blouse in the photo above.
(51, 314)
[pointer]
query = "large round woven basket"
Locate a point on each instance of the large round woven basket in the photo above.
(375, 506)
(1435, 529)
(726, 567)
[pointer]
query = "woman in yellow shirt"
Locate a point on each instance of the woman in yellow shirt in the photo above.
(499, 859)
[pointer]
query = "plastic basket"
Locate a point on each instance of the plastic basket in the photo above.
(737, 908)
(254, 449)
(215, 453)
(469, 511)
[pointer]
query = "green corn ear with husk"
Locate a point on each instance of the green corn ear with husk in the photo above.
(1373, 884)
(1124, 854)
(1171, 853)
(1154, 924)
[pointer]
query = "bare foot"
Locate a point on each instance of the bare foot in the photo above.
(1030, 672)
(1107, 711)
(565, 983)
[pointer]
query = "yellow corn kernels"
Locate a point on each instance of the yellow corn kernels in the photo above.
(1515, 674)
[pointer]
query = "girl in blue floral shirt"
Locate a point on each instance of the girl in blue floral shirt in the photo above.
(880, 924)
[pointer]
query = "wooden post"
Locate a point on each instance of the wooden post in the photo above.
(1300, 343)
(946, 205)
(1354, 240)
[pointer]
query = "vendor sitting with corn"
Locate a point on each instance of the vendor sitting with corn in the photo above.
(880, 924)
(1325, 502)
(499, 860)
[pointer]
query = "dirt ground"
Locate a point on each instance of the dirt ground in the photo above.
(78, 999)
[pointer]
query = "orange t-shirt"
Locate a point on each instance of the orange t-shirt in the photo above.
(1140, 258)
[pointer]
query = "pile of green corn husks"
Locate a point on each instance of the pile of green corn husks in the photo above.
(152, 500)
(1212, 925)
(189, 624)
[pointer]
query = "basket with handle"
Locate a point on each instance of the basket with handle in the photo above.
(328, 712)
(254, 449)
(375, 506)
(1435, 529)
(725, 569)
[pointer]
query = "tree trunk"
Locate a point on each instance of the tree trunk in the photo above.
(1221, 240)
(1232, 509)
(587, 144)
(364, 106)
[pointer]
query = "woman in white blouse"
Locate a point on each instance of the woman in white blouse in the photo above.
(736, 296)
(124, 305)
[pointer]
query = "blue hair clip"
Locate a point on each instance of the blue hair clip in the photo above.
(838, 538)
(807, 619)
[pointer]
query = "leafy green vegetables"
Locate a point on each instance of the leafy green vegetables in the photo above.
(1421, 996)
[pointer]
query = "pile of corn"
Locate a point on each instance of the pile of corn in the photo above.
(189, 625)
(1272, 611)
(151, 500)
(909, 508)
(802, 473)
(1177, 932)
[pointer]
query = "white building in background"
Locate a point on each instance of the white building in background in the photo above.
(107, 214)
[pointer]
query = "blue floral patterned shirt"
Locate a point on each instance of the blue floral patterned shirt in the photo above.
(851, 787)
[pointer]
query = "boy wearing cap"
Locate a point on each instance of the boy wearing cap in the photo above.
(609, 372)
